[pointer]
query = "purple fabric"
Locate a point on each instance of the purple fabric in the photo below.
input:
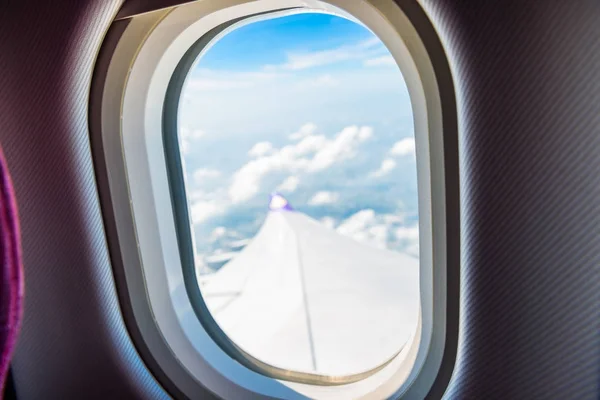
(11, 272)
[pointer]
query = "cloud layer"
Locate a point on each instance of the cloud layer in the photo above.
(346, 167)
(404, 147)
(303, 161)
(312, 153)
(386, 60)
(357, 51)
(289, 185)
(323, 197)
(387, 165)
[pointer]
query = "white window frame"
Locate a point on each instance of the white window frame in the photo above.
(133, 94)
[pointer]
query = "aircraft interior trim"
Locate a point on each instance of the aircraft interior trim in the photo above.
(300, 199)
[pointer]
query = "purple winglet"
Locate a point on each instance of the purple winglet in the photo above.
(279, 203)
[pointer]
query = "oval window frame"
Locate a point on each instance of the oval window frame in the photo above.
(128, 93)
(182, 216)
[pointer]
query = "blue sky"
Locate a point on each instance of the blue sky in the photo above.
(267, 43)
(312, 105)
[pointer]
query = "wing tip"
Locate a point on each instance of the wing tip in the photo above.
(278, 202)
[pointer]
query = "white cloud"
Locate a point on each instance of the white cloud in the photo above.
(289, 185)
(321, 81)
(309, 144)
(299, 61)
(393, 219)
(202, 174)
(205, 205)
(204, 79)
(192, 134)
(408, 236)
(404, 147)
(342, 147)
(386, 166)
(357, 222)
(305, 130)
(296, 158)
(201, 268)
(219, 84)
(381, 231)
(260, 149)
(217, 233)
(380, 61)
(365, 133)
(365, 227)
(377, 236)
(240, 243)
(205, 209)
(328, 222)
(246, 181)
(324, 197)
(407, 233)
(187, 137)
(218, 80)
(413, 250)
(325, 80)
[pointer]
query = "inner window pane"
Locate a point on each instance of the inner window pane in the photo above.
(297, 143)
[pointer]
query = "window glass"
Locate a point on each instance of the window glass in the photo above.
(297, 144)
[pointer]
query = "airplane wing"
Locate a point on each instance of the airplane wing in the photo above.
(335, 305)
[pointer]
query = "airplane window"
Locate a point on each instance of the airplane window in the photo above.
(298, 155)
